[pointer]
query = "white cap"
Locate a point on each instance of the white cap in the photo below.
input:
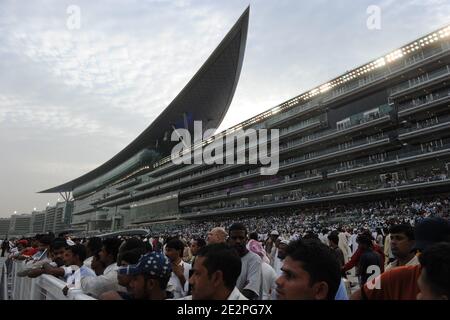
(274, 233)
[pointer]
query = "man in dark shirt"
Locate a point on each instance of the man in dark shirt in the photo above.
(333, 239)
(369, 258)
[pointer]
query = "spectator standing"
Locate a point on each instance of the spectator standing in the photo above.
(249, 281)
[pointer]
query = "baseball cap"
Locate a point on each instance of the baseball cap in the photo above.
(284, 241)
(430, 231)
(274, 233)
(153, 263)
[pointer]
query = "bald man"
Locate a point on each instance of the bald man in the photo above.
(216, 235)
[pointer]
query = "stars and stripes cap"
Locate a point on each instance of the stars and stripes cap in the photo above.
(153, 264)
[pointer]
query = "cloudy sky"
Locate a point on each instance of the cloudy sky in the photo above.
(71, 98)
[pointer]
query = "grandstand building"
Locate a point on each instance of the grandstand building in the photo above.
(37, 222)
(4, 227)
(20, 225)
(379, 131)
(54, 219)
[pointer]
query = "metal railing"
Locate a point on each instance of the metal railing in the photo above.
(418, 81)
(44, 287)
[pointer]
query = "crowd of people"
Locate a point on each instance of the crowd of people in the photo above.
(383, 250)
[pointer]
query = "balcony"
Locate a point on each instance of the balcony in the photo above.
(396, 160)
(100, 216)
(374, 189)
(83, 211)
(428, 102)
(355, 124)
(110, 197)
(333, 153)
(293, 113)
(424, 80)
(390, 72)
(255, 188)
(128, 184)
(423, 129)
(226, 179)
(312, 123)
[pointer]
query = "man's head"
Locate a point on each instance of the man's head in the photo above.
(310, 272)
(97, 265)
(57, 250)
(174, 250)
(237, 238)
(282, 247)
(215, 271)
(45, 241)
(149, 276)
(216, 235)
(22, 244)
(364, 241)
(93, 245)
(75, 255)
(109, 251)
(253, 236)
(402, 240)
(35, 241)
(128, 258)
(128, 245)
(434, 280)
(430, 231)
(196, 245)
(274, 235)
(333, 239)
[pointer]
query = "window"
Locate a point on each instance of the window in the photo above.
(372, 114)
(375, 137)
(343, 124)
(432, 145)
(343, 185)
(345, 145)
(378, 157)
(417, 80)
(348, 164)
(389, 177)
(427, 122)
(244, 202)
(310, 155)
(310, 173)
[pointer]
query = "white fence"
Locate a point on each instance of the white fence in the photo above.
(44, 287)
(3, 280)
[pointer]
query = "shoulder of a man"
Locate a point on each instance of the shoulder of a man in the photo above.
(396, 284)
(251, 257)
